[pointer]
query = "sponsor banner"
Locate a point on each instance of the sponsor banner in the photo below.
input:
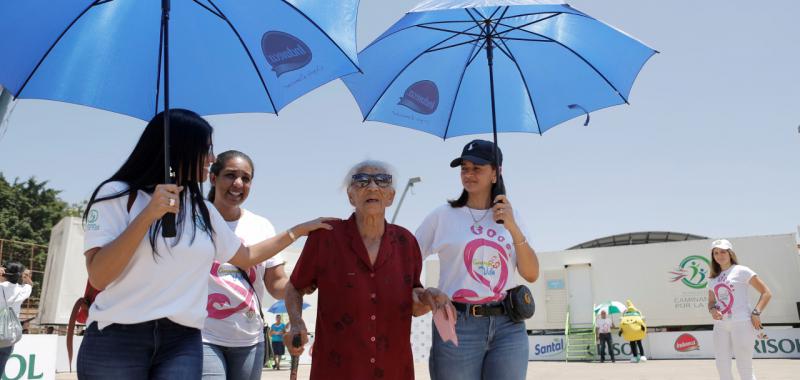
(553, 347)
(779, 343)
(34, 357)
(547, 347)
(681, 345)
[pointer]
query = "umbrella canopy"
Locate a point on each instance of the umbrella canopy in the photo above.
(226, 56)
(452, 68)
(279, 307)
(611, 307)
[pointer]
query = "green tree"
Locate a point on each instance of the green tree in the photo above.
(29, 210)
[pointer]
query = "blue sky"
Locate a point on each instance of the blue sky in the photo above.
(709, 144)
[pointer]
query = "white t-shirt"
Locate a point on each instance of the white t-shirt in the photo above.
(172, 285)
(15, 294)
(233, 317)
(477, 264)
(731, 289)
(603, 325)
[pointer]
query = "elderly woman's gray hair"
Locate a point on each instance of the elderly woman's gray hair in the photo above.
(373, 164)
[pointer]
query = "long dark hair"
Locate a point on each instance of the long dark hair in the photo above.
(220, 162)
(14, 272)
(144, 168)
(462, 199)
(716, 269)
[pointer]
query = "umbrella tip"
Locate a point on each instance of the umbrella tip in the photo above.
(574, 106)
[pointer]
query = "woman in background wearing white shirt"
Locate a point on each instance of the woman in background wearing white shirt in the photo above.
(233, 339)
(145, 324)
(735, 322)
(16, 286)
(478, 261)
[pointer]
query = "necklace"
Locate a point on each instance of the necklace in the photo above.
(476, 222)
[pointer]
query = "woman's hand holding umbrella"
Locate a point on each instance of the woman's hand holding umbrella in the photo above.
(165, 199)
(502, 210)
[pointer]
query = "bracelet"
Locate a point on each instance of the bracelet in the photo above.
(756, 313)
(291, 235)
(523, 242)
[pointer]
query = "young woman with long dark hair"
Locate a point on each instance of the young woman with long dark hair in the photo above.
(145, 324)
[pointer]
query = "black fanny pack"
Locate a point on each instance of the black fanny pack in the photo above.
(519, 303)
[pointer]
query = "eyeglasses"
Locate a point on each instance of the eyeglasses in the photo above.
(362, 180)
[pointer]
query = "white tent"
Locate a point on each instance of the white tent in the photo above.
(65, 273)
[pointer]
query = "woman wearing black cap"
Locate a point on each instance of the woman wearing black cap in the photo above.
(478, 258)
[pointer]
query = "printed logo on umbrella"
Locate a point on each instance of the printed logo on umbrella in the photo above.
(421, 97)
(284, 52)
(686, 343)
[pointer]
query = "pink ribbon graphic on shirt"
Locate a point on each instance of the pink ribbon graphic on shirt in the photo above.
(726, 302)
(217, 302)
(469, 254)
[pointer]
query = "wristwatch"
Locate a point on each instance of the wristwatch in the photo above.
(756, 312)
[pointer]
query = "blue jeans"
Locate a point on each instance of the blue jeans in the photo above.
(5, 353)
(159, 349)
(488, 348)
(235, 363)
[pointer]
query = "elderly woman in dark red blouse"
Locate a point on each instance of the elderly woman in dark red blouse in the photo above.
(367, 273)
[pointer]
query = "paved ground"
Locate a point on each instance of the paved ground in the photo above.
(772, 369)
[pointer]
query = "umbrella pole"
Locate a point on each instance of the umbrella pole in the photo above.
(498, 188)
(168, 220)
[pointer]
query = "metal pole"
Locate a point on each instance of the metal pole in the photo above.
(168, 220)
(499, 188)
(411, 182)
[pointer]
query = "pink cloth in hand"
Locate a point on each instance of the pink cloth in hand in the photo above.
(446, 327)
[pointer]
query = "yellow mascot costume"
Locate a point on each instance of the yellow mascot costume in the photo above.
(633, 329)
(632, 324)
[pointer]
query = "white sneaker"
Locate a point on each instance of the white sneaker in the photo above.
(634, 360)
(643, 358)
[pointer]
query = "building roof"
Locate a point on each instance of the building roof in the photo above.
(633, 238)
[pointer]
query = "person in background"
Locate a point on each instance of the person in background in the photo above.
(604, 325)
(735, 321)
(278, 330)
(16, 285)
(633, 329)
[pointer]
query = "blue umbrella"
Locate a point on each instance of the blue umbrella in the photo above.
(139, 57)
(279, 307)
(454, 67)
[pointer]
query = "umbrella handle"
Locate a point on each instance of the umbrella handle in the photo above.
(168, 225)
(499, 188)
(168, 229)
(296, 342)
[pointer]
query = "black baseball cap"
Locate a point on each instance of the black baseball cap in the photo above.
(479, 152)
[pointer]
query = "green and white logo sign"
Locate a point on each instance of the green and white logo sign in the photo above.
(692, 271)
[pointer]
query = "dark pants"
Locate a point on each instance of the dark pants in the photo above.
(640, 351)
(159, 349)
(5, 353)
(605, 339)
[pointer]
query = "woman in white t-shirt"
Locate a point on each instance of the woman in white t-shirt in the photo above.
(16, 286)
(145, 324)
(478, 259)
(233, 339)
(735, 321)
